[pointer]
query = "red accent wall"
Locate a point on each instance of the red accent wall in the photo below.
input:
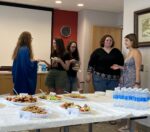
(69, 18)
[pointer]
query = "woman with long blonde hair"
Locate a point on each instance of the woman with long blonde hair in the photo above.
(24, 68)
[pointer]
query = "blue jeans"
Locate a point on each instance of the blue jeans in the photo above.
(71, 84)
(101, 84)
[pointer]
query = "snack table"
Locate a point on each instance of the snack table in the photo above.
(102, 110)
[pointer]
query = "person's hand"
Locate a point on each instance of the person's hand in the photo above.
(80, 90)
(58, 60)
(40, 60)
(88, 77)
(136, 86)
(72, 61)
(115, 67)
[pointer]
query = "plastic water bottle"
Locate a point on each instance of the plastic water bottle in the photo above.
(122, 97)
(145, 99)
(125, 97)
(141, 100)
(44, 67)
(116, 96)
(148, 99)
(129, 98)
(132, 98)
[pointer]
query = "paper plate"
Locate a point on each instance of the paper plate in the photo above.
(76, 99)
(85, 112)
(21, 103)
(53, 101)
(2, 105)
(30, 115)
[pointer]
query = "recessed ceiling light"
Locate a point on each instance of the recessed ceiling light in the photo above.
(58, 1)
(80, 4)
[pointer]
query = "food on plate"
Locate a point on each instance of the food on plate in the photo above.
(50, 97)
(66, 105)
(85, 108)
(2, 105)
(22, 98)
(35, 109)
(73, 95)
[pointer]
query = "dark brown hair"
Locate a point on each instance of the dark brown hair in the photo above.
(102, 41)
(75, 53)
(24, 39)
(132, 37)
(60, 48)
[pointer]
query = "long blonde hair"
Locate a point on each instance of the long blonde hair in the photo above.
(24, 39)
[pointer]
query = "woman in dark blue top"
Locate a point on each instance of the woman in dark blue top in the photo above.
(24, 69)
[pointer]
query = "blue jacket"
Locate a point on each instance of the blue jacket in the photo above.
(24, 72)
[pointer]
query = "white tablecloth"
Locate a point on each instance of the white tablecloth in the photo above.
(101, 106)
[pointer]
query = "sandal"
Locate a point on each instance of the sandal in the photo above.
(124, 129)
(112, 122)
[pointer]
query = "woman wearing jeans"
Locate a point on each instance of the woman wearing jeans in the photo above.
(74, 65)
(99, 67)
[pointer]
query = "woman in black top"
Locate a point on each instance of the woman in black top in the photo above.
(73, 55)
(99, 67)
(57, 77)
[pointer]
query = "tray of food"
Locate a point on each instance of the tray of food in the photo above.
(33, 112)
(22, 100)
(85, 109)
(75, 96)
(82, 109)
(52, 98)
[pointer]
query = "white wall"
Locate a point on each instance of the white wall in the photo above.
(128, 25)
(86, 20)
(13, 21)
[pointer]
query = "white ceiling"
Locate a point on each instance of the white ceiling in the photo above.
(100, 5)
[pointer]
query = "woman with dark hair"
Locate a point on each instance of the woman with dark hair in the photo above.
(24, 68)
(74, 65)
(99, 67)
(132, 64)
(57, 76)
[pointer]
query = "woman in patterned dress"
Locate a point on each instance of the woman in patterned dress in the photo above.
(131, 70)
(130, 76)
